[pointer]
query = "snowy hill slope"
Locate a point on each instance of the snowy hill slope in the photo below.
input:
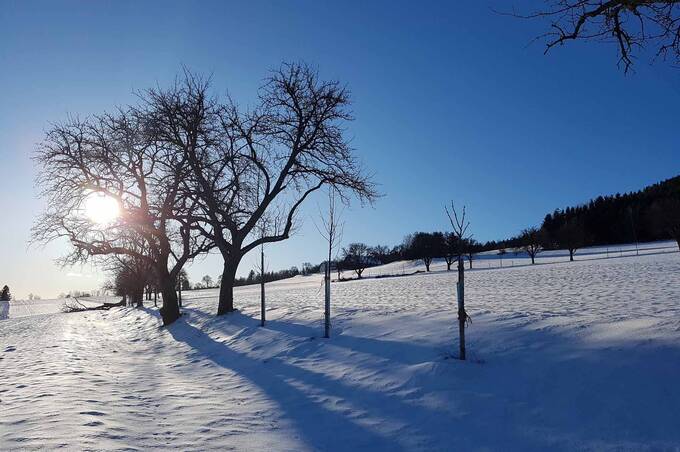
(579, 355)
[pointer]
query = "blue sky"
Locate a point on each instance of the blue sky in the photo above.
(451, 103)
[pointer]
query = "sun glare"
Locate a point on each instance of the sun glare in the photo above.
(101, 209)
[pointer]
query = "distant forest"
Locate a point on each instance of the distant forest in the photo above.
(644, 216)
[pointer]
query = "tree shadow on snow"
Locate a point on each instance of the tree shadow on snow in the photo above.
(407, 353)
(325, 410)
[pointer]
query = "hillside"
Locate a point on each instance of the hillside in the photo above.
(622, 218)
(564, 356)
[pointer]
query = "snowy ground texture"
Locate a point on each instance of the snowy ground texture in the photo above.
(582, 355)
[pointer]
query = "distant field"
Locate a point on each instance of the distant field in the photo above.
(24, 308)
(487, 260)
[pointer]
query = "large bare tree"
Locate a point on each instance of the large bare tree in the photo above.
(252, 169)
(629, 24)
(120, 157)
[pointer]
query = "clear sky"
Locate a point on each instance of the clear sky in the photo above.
(451, 103)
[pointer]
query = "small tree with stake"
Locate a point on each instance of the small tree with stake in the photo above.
(460, 229)
(331, 231)
(263, 306)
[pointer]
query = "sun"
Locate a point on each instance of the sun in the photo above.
(101, 209)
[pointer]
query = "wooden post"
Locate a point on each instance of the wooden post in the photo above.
(262, 314)
(461, 307)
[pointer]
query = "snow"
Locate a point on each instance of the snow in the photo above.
(24, 308)
(580, 355)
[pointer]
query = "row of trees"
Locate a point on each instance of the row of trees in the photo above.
(424, 246)
(427, 246)
(192, 173)
(256, 277)
(650, 214)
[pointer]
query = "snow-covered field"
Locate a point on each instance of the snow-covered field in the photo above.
(25, 308)
(582, 355)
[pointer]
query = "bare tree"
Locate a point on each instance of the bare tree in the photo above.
(262, 163)
(532, 242)
(355, 257)
(571, 236)
(502, 252)
(629, 24)
(471, 246)
(182, 283)
(460, 227)
(331, 231)
(120, 157)
(130, 275)
(425, 246)
(452, 249)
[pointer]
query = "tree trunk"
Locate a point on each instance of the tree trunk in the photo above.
(169, 309)
(470, 259)
(226, 303)
(571, 255)
(448, 265)
(532, 260)
(138, 297)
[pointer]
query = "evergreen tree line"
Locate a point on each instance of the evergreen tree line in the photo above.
(256, 277)
(647, 215)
